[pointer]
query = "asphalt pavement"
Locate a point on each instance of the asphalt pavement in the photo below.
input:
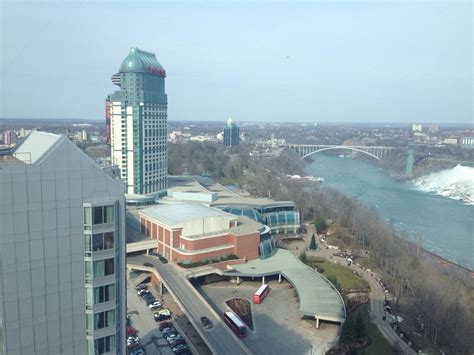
(220, 338)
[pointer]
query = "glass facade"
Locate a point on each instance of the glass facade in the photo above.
(231, 134)
(100, 229)
(283, 222)
(138, 119)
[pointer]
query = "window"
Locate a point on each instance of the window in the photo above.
(109, 267)
(88, 270)
(103, 214)
(108, 240)
(104, 319)
(87, 243)
(104, 345)
(87, 216)
(104, 293)
(97, 242)
(89, 296)
(98, 215)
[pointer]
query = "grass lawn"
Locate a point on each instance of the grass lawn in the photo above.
(379, 344)
(344, 275)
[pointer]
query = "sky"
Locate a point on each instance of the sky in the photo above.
(319, 61)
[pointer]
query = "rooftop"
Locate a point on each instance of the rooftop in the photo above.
(139, 60)
(317, 297)
(176, 215)
(35, 146)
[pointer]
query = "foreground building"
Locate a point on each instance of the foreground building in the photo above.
(62, 252)
(189, 233)
(136, 120)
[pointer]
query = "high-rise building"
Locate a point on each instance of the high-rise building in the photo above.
(9, 137)
(231, 134)
(62, 251)
(136, 119)
(416, 127)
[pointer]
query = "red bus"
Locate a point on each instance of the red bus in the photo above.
(261, 293)
(235, 324)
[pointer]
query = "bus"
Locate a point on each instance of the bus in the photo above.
(261, 293)
(235, 324)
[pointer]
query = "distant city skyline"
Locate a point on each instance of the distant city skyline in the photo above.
(349, 62)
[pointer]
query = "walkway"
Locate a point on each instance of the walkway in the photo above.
(317, 296)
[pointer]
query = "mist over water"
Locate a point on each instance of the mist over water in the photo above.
(445, 225)
(456, 183)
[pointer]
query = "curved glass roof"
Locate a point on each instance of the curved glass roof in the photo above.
(242, 211)
(140, 61)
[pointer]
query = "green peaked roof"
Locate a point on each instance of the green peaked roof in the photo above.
(141, 61)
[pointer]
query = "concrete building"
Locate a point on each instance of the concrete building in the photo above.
(467, 142)
(62, 252)
(281, 216)
(9, 138)
(231, 134)
(450, 141)
(136, 122)
(189, 233)
(417, 127)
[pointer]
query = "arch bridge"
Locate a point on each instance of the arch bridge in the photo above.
(306, 150)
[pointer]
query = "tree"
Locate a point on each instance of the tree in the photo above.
(348, 333)
(360, 326)
(320, 223)
(312, 244)
(304, 258)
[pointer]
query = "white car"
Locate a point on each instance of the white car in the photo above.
(156, 304)
(173, 337)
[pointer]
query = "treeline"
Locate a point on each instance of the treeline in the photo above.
(442, 305)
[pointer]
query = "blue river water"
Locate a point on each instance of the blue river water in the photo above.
(444, 226)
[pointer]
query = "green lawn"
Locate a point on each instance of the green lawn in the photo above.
(379, 344)
(344, 275)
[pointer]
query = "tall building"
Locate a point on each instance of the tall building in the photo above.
(9, 138)
(62, 251)
(136, 120)
(417, 127)
(231, 134)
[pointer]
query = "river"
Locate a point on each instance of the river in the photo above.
(445, 226)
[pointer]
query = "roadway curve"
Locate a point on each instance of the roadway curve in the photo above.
(220, 339)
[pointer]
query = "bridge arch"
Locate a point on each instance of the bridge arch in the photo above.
(341, 147)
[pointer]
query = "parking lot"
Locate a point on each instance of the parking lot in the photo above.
(278, 328)
(152, 341)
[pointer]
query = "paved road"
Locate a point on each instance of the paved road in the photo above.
(219, 338)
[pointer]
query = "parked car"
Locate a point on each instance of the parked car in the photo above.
(150, 300)
(179, 348)
(148, 264)
(131, 331)
(142, 292)
(163, 259)
(168, 330)
(177, 342)
(154, 253)
(155, 304)
(164, 325)
(141, 287)
(206, 322)
(173, 336)
(160, 317)
(137, 352)
(133, 341)
(164, 311)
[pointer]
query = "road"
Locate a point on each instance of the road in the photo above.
(220, 339)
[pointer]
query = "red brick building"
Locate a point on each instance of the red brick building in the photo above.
(190, 233)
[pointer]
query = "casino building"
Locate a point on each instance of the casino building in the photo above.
(136, 123)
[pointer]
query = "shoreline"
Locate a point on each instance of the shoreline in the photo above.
(441, 263)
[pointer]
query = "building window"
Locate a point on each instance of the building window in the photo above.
(104, 319)
(105, 345)
(88, 270)
(87, 244)
(89, 296)
(87, 216)
(103, 214)
(104, 294)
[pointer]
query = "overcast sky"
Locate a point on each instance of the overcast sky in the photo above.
(286, 61)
